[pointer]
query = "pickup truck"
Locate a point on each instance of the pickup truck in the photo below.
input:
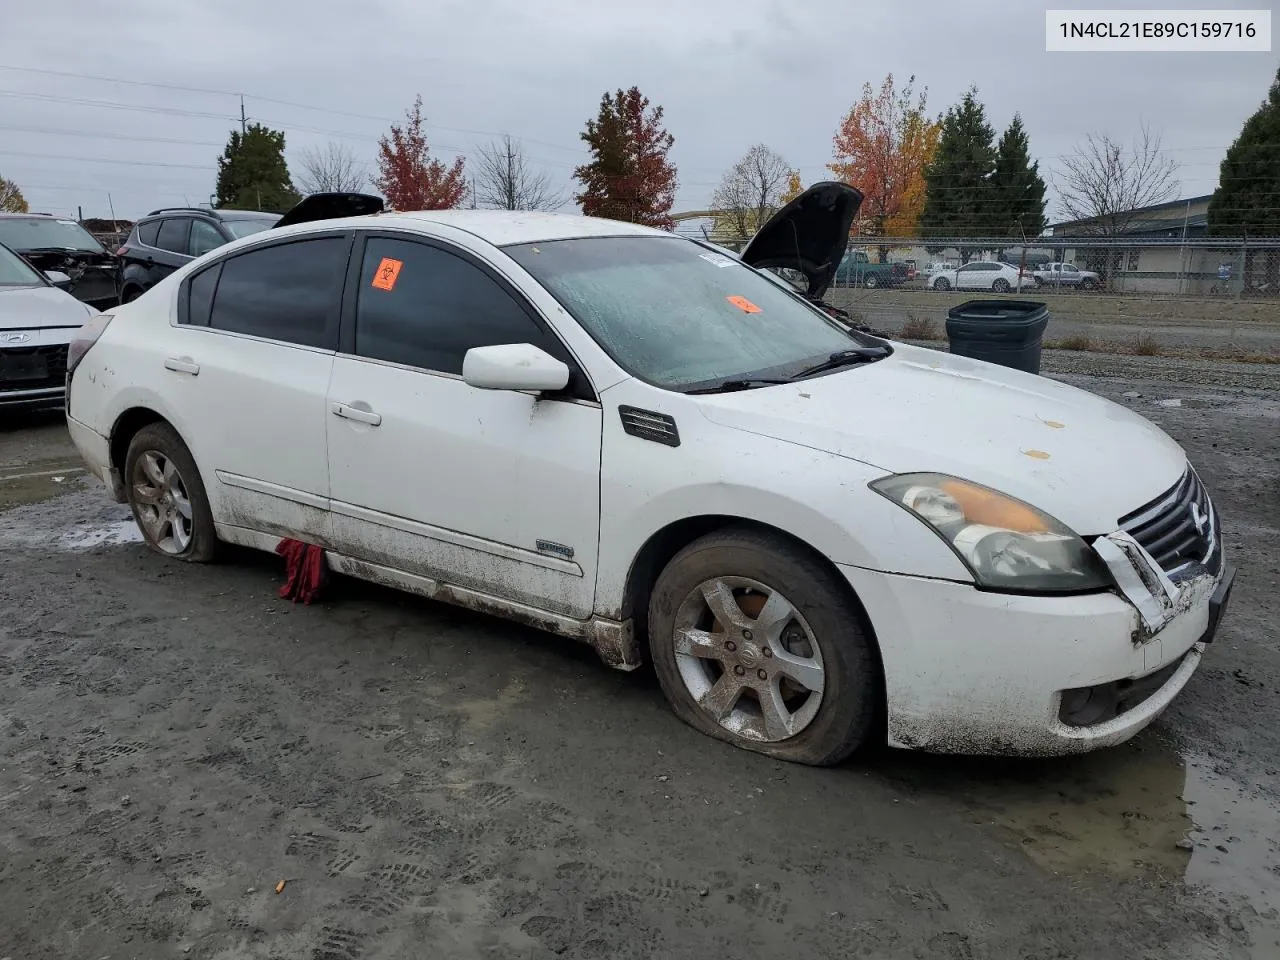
(1066, 275)
(857, 270)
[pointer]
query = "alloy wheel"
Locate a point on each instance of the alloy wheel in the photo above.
(748, 659)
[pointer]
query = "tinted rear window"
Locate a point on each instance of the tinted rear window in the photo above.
(147, 232)
(289, 291)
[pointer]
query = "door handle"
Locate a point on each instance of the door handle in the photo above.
(348, 412)
(182, 365)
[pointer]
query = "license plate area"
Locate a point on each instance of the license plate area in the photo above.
(23, 367)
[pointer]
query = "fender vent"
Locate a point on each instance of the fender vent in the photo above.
(647, 425)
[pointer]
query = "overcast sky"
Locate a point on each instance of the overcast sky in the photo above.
(728, 72)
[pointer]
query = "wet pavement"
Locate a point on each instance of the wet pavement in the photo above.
(176, 741)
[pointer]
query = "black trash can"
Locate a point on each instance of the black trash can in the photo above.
(1007, 332)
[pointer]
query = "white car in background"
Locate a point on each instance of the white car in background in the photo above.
(982, 275)
(37, 321)
(625, 437)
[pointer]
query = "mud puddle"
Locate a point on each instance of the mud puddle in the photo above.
(38, 481)
(81, 517)
(1140, 811)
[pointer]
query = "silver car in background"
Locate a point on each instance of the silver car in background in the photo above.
(37, 322)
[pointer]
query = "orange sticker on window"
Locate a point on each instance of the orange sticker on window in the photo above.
(384, 278)
(743, 304)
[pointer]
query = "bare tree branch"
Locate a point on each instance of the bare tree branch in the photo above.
(751, 191)
(503, 180)
(1105, 183)
(333, 169)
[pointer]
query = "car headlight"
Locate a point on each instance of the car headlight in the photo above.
(1006, 544)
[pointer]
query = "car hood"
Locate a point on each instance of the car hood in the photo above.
(809, 234)
(32, 308)
(1081, 458)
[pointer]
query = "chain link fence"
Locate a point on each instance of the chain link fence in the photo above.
(1231, 268)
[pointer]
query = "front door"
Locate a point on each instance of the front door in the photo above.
(494, 491)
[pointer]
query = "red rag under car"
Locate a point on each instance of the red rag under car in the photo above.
(306, 572)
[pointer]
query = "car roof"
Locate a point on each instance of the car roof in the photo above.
(498, 227)
(219, 214)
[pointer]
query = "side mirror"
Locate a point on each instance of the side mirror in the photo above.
(57, 278)
(513, 366)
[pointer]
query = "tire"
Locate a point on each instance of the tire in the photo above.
(1088, 285)
(1001, 285)
(871, 282)
(819, 626)
(942, 283)
(156, 457)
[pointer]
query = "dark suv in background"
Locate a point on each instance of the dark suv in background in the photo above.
(165, 239)
(59, 244)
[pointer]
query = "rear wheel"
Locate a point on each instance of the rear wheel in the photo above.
(756, 643)
(167, 496)
(871, 281)
(1001, 285)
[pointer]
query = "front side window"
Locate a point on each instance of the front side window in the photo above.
(288, 291)
(204, 237)
(46, 233)
(245, 227)
(425, 307)
(677, 315)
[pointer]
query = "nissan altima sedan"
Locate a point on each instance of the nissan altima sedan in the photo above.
(37, 322)
(624, 437)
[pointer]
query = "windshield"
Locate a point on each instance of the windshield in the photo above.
(37, 233)
(242, 228)
(678, 315)
(15, 272)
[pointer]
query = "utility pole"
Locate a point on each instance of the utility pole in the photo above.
(243, 118)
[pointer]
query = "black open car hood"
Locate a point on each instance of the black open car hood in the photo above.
(330, 206)
(809, 234)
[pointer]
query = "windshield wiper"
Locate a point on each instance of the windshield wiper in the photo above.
(729, 386)
(846, 358)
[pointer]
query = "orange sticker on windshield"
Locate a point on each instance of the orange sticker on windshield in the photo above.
(743, 304)
(384, 278)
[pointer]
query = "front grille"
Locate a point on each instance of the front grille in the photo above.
(1179, 529)
(33, 368)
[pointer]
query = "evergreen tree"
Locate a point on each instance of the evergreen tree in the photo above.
(252, 173)
(958, 180)
(1247, 201)
(1016, 187)
(629, 176)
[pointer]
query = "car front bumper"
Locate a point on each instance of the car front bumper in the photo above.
(973, 672)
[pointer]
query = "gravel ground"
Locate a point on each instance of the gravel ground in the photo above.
(175, 742)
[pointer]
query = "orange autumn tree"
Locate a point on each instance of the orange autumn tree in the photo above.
(794, 187)
(882, 147)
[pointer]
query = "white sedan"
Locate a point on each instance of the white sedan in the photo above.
(624, 437)
(982, 275)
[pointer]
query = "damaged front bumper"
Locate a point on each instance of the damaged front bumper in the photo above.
(974, 672)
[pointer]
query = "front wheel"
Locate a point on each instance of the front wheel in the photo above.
(167, 496)
(758, 644)
(871, 282)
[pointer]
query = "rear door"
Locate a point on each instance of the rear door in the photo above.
(250, 375)
(171, 248)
